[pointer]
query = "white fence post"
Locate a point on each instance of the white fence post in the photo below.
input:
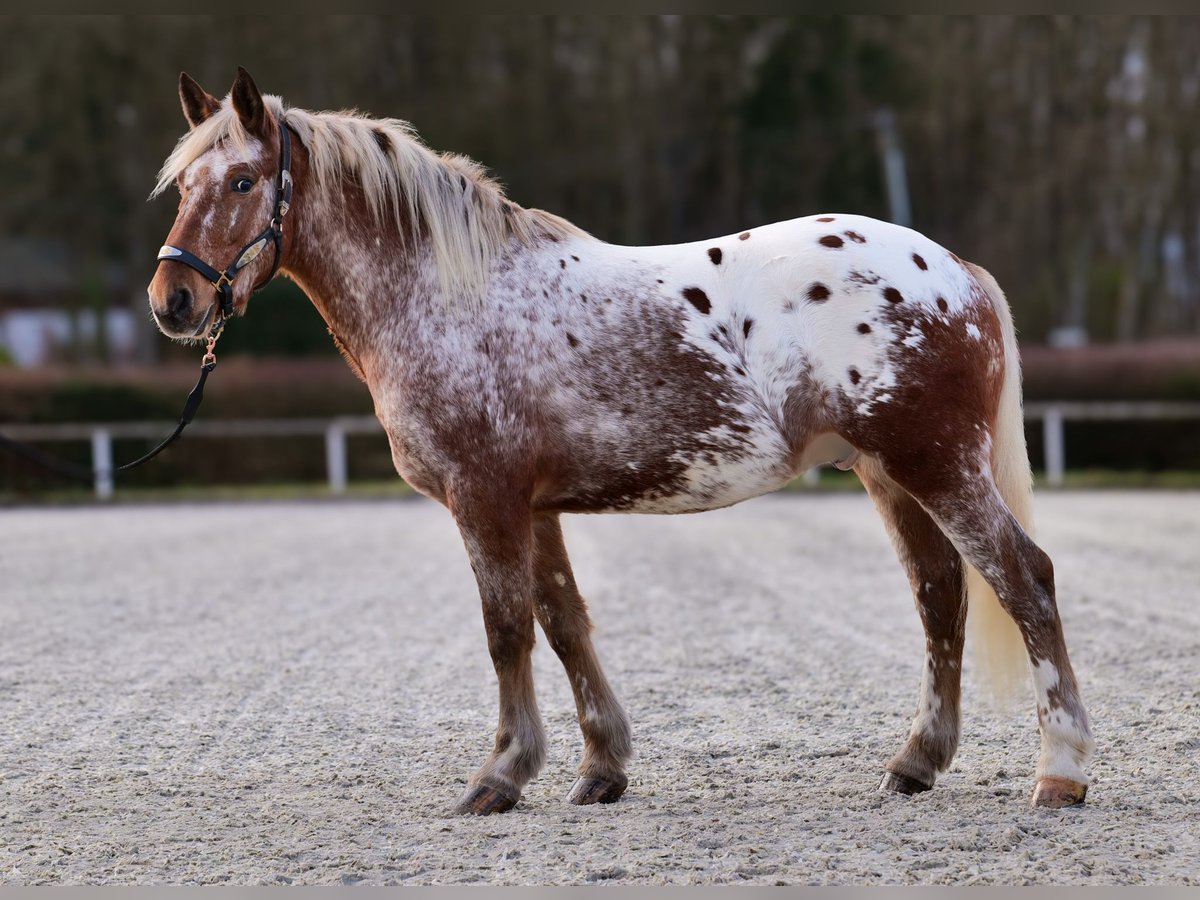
(1052, 439)
(102, 462)
(335, 456)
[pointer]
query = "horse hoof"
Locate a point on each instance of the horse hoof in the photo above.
(589, 790)
(1053, 792)
(902, 784)
(481, 800)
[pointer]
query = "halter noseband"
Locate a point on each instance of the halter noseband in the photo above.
(223, 281)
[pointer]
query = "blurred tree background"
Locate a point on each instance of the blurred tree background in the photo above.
(1061, 152)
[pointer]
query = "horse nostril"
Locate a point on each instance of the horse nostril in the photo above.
(179, 303)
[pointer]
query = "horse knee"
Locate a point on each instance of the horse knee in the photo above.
(510, 638)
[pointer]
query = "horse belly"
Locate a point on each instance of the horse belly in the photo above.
(660, 469)
(715, 480)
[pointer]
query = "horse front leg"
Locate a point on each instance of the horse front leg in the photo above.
(498, 535)
(563, 615)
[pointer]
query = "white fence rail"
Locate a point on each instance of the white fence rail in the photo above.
(1053, 417)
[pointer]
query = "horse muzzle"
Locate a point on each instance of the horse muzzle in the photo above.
(180, 312)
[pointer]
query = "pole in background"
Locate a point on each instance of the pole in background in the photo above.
(895, 175)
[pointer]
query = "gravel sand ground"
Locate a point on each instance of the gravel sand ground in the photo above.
(295, 693)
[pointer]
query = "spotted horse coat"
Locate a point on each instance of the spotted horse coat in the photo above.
(522, 369)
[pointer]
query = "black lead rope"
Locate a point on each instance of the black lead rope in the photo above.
(222, 282)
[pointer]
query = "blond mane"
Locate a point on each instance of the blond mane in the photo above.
(446, 197)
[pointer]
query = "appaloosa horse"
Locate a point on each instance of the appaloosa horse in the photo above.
(522, 369)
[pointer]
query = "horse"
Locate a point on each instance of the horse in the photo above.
(523, 369)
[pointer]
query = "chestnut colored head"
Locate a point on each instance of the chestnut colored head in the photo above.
(225, 169)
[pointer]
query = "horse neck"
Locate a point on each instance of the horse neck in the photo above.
(363, 276)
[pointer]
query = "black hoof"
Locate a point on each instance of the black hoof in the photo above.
(588, 790)
(481, 800)
(902, 784)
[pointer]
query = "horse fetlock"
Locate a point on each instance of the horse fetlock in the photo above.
(912, 769)
(514, 762)
(1065, 751)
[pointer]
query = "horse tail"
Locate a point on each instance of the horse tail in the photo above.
(996, 640)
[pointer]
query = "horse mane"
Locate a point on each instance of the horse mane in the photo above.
(448, 197)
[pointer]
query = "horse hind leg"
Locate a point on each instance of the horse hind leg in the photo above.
(563, 615)
(936, 573)
(958, 490)
(497, 532)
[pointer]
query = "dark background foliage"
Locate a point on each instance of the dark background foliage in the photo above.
(1060, 152)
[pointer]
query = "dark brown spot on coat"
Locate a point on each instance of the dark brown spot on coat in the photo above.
(942, 304)
(818, 293)
(574, 257)
(744, 236)
(920, 262)
(856, 237)
(698, 299)
(740, 428)
(714, 253)
(832, 240)
(382, 140)
(864, 328)
(893, 295)
(825, 219)
(572, 340)
(746, 326)
(855, 377)
(562, 263)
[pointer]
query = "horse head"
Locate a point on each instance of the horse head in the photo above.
(234, 188)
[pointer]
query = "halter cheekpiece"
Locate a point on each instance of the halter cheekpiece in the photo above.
(223, 281)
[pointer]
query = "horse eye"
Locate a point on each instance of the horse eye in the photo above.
(242, 185)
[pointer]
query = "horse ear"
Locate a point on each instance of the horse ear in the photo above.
(198, 104)
(248, 102)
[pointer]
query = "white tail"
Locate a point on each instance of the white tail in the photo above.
(996, 640)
